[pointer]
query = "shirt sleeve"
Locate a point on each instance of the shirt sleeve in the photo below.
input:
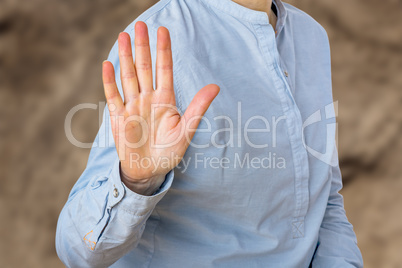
(337, 243)
(103, 219)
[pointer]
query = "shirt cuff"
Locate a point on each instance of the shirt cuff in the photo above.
(120, 193)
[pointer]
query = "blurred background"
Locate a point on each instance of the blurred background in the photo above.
(50, 60)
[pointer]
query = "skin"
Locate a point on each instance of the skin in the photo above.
(139, 98)
(149, 115)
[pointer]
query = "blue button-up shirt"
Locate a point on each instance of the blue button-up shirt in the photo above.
(258, 186)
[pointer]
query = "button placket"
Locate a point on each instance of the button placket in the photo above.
(286, 75)
(294, 122)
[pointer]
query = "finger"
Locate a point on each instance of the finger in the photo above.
(113, 98)
(143, 63)
(164, 62)
(127, 70)
(197, 108)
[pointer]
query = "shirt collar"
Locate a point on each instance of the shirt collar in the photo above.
(244, 13)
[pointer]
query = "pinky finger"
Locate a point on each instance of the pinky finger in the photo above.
(112, 94)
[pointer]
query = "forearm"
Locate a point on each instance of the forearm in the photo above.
(146, 186)
(337, 243)
(103, 221)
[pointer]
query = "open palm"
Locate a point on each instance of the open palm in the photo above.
(151, 136)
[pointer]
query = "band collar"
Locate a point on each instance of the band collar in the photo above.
(253, 16)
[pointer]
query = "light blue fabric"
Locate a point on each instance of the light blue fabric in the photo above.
(259, 185)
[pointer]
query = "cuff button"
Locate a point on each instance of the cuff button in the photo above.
(115, 192)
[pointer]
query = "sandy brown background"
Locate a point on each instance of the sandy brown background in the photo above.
(50, 59)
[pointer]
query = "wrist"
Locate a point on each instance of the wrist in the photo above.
(145, 186)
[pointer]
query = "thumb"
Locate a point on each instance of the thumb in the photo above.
(197, 108)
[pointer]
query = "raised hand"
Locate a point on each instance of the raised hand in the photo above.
(151, 136)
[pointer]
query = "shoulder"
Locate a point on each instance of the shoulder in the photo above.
(163, 13)
(303, 22)
(152, 13)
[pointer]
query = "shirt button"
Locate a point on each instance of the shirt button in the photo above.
(286, 73)
(115, 192)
